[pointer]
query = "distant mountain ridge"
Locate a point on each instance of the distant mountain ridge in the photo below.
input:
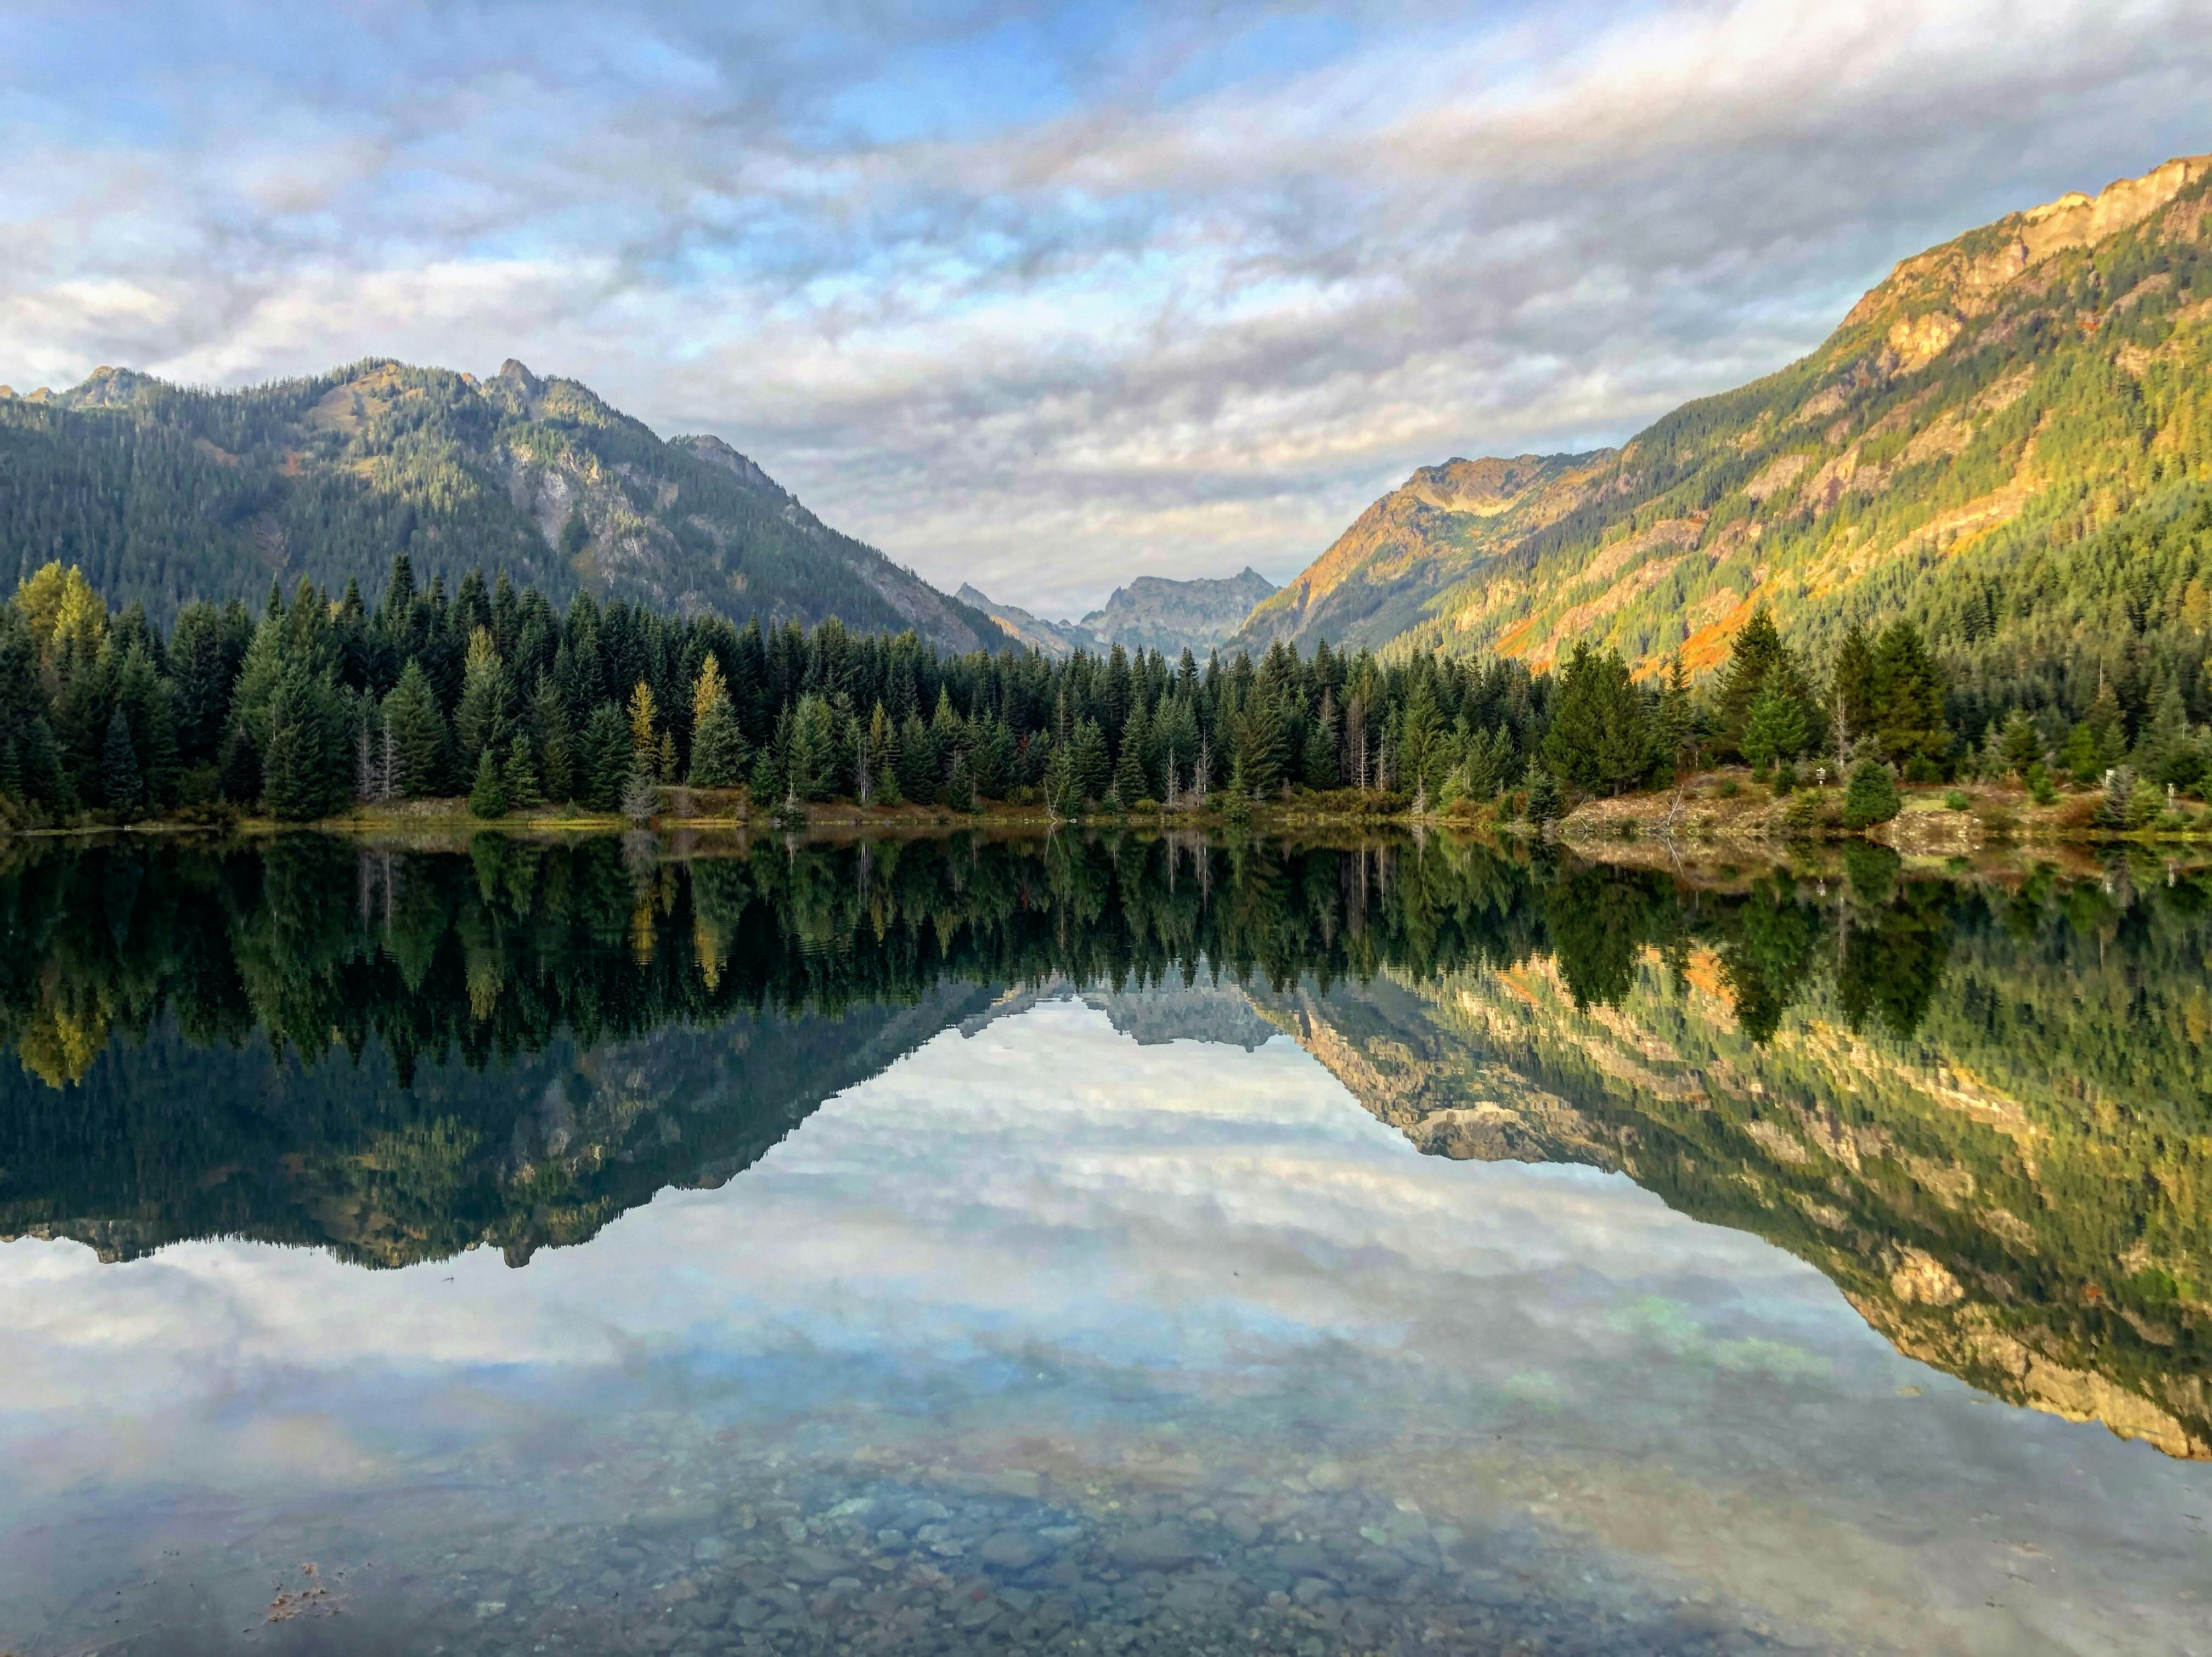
(1153, 613)
(1057, 640)
(162, 493)
(2009, 438)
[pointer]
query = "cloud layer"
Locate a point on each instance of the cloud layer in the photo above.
(1044, 298)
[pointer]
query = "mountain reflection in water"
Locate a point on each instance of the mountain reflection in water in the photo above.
(1981, 1110)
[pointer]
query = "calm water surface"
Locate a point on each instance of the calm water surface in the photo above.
(1099, 1245)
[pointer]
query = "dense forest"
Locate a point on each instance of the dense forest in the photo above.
(315, 704)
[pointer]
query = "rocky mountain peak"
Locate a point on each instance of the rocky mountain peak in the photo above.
(1963, 277)
(715, 452)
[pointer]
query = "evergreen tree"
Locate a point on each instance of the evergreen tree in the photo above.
(120, 781)
(488, 797)
(960, 787)
(519, 777)
(1129, 785)
(304, 767)
(608, 756)
(479, 722)
(717, 747)
(1855, 687)
(1908, 702)
(143, 699)
(418, 732)
(883, 760)
(1597, 741)
(644, 730)
(1094, 775)
(1755, 654)
(549, 721)
(2019, 746)
(1318, 764)
(1872, 796)
(1775, 729)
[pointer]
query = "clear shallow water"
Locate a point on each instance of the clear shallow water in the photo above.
(1124, 1322)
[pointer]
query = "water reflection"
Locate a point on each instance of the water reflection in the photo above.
(1107, 1319)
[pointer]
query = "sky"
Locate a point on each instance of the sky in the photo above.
(1045, 297)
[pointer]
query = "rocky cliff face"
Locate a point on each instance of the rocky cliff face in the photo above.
(1153, 613)
(1992, 402)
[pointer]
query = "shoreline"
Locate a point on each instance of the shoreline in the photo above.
(1712, 813)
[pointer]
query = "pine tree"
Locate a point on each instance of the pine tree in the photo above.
(1872, 796)
(304, 767)
(960, 787)
(884, 759)
(479, 722)
(1597, 740)
(608, 756)
(519, 777)
(120, 781)
(1318, 764)
(1908, 702)
(418, 730)
(1755, 652)
(488, 798)
(549, 720)
(1775, 729)
(1854, 688)
(717, 747)
(644, 734)
(1129, 785)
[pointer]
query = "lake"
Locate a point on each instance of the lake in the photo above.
(1099, 1242)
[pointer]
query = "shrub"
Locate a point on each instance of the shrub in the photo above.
(1785, 780)
(1872, 796)
(1728, 788)
(1956, 800)
(2040, 788)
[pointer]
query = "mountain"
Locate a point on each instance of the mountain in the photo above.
(1057, 640)
(163, 493)
(1153, 613)
(2009, 438)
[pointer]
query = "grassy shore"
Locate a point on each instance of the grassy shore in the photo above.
(1717, 810)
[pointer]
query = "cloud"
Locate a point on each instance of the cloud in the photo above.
(1046, 299)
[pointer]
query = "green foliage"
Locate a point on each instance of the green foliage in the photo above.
(1872, 796)
(487, 798)
(1597, 740)
(718, 748)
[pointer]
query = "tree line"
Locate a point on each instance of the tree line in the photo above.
(317, 703)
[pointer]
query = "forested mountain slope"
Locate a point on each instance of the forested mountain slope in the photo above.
(2009, 440)
(162, 493)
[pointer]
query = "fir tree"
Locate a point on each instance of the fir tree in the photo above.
(1775, 729)
(1129, 785)
(1872, 796)
(608, 756)
(549, 720)
(120, 781)
(519, 777)
(418, 731)
(304, 766)
(487, 798)
(717, 747)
